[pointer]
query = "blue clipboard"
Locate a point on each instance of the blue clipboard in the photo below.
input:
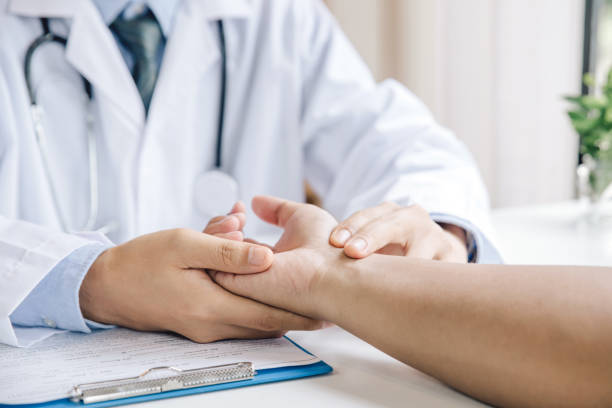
(261, 377)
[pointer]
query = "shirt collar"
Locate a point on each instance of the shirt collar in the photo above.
(108, 10)
(164, 10)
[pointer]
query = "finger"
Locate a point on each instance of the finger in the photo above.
(223, 218)
(424, 248)
(216, 219)
(227, 223)
(239, 210)
(347, 228)
(274, 210)
(204, 251)
(454, 250)
(234, 235)
(241, 220)
(399, 227)
(264, 288)
(248, 313)
(239, 207)
(393, 249)
(252, 241)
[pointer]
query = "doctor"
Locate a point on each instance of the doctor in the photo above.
(125, 126)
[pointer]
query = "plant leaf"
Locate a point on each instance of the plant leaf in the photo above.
(607, 117)
(585, 125)
(577, 115)
(594, 102)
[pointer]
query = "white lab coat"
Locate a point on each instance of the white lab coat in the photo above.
(300, 105)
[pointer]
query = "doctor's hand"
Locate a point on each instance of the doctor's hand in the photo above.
(159, 282)
(392, 229)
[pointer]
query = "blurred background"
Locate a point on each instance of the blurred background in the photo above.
(495, 72)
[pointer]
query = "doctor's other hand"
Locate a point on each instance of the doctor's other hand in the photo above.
(159, 282)
(392, 229)
(299, 257)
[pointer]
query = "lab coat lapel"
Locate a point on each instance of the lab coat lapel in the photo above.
(192, 49)
(92, 50)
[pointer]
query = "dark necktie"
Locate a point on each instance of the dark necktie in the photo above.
(142, 36)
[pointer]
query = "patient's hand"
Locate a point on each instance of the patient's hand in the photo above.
(300, 253)
(228, 226)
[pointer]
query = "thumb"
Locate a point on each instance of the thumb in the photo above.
(274, 210)
(205, 251)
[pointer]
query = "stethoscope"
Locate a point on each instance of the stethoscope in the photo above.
(215, 190)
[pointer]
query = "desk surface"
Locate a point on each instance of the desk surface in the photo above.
(366, 377)
(557, 234)
(362, 377)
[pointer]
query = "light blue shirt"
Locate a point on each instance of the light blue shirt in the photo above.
(55, 300)
(164, 10)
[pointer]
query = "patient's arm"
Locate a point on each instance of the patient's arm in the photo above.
(508, 335)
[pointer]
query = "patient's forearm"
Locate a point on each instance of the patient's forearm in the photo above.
(509, 335)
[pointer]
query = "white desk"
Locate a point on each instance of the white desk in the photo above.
(362, 377)
(366, 377)
(553, 234)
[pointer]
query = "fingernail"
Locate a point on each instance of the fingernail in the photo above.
(342, 235)
(358, 244)
(257, 256)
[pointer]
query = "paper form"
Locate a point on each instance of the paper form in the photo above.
(49, 370)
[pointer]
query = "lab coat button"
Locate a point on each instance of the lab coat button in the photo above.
(50, 323)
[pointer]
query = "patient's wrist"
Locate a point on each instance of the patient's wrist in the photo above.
(309, 292)
(326, 291)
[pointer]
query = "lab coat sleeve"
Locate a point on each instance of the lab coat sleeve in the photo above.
(480, 248)
(54, 302)
(28, 252)
(366, 143)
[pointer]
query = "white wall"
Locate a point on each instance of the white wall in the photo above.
(493, 71)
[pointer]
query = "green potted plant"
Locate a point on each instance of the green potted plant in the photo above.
(591, 117)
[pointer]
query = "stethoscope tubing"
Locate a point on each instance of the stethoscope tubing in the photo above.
(222, 95)
(46, 37)
(49, 37)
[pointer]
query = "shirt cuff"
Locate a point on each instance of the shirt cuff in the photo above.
(98, 326)
(480, 248)
(54, 302)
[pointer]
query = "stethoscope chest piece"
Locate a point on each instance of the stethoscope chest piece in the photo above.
(215, 193)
